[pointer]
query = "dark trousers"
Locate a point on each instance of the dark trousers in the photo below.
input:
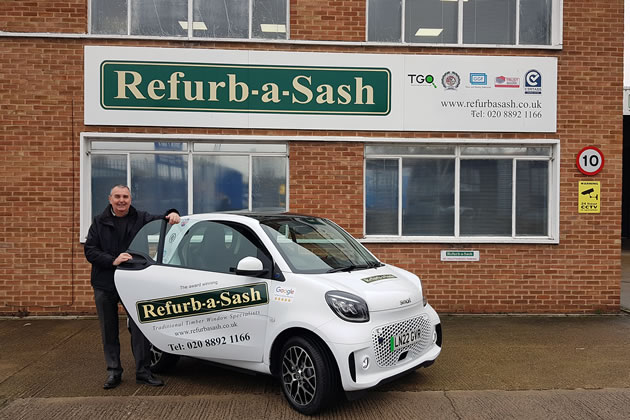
(107, 309)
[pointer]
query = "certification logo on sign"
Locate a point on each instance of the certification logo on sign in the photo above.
(588, 197)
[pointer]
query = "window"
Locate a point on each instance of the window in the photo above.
(191, 176)
(462, 192)
(217, 247)
(190, 18)
(469, 22)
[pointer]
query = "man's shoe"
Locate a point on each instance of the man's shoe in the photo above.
(149, 380)
(112, 381)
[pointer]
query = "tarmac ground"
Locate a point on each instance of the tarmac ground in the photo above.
(491, 367)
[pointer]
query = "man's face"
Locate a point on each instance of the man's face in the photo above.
(120, 199)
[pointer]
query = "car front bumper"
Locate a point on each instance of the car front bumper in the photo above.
(399, 342)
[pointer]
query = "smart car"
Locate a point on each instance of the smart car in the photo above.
(289, 295)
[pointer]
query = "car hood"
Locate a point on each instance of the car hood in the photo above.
(383, 288)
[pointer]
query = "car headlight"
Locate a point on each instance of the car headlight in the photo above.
(347, 306)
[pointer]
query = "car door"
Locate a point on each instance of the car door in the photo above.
(191, 302)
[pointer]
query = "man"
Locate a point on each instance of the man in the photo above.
(109, 237)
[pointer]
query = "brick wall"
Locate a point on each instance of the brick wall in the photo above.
(327, 20)
(42, 268)
(44, 16)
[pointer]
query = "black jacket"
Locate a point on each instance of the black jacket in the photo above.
(101, 244)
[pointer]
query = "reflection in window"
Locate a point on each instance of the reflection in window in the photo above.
(158, 17)
(490, 22)
(479, 191)
(220, 183)
(428, 201)
(535, 22)
(220, 18)
(384, 20)
(225, 176)
(269, 19)
(209, 18)
(109, 17)
(532, 196)
(269, 183)
(159, 182)
(431, 22)
(482, 21)
(486, 197)
(381, 197)
(107, 171)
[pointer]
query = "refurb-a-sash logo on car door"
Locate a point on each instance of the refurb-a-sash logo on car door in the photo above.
(244, 88)
(201, 303)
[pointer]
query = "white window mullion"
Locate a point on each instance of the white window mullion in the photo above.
(457, 194)
(129, 17)
(287, 21)
(552, 201)
(286, 185)
(400, 196)
(514, 163)
(251, 13)
(460, 22)
(190, 19)
(402, 21)
(251, 179)
(517, 37)
(129, 170)
(191, 179)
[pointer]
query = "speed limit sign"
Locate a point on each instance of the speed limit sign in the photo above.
(590, 160)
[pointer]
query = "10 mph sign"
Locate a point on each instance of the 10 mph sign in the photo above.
(590, 160)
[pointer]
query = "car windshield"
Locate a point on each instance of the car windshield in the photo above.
(314, 245)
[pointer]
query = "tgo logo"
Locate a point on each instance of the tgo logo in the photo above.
(422, 80)
(533, 82)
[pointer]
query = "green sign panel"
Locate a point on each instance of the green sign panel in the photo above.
(202, 303)
(245, 88)
(460, 254)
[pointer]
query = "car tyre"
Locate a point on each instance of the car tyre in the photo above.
(308, 374)
(162, 361)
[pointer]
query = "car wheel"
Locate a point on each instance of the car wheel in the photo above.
(309, 376)
(162, 361)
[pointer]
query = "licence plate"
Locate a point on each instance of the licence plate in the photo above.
(405, 339)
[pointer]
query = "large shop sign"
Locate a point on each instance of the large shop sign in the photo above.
(319, 91)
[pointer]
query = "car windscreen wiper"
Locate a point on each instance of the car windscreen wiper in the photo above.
(350, 267)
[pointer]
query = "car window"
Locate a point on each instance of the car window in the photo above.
(147, 239)
(313, 245)
(218, 247)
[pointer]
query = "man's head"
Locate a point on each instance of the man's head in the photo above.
(120, 199)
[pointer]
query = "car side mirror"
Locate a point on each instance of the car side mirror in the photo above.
(250, 266)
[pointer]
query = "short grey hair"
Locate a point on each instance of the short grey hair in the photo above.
(120, 186)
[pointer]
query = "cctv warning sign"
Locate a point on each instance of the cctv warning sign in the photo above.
(589, 197)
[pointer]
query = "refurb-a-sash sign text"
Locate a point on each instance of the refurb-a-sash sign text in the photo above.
(179, 87)
(158, 85)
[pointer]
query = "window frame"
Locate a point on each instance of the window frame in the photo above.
(555, 42)
(553, 210)
(190, 29)
(86, 154)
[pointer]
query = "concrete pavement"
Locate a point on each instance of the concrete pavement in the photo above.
(573, 367)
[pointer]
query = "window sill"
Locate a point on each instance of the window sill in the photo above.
(462, 240)
(275, 41)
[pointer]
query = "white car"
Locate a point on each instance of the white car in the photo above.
(282, 294)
